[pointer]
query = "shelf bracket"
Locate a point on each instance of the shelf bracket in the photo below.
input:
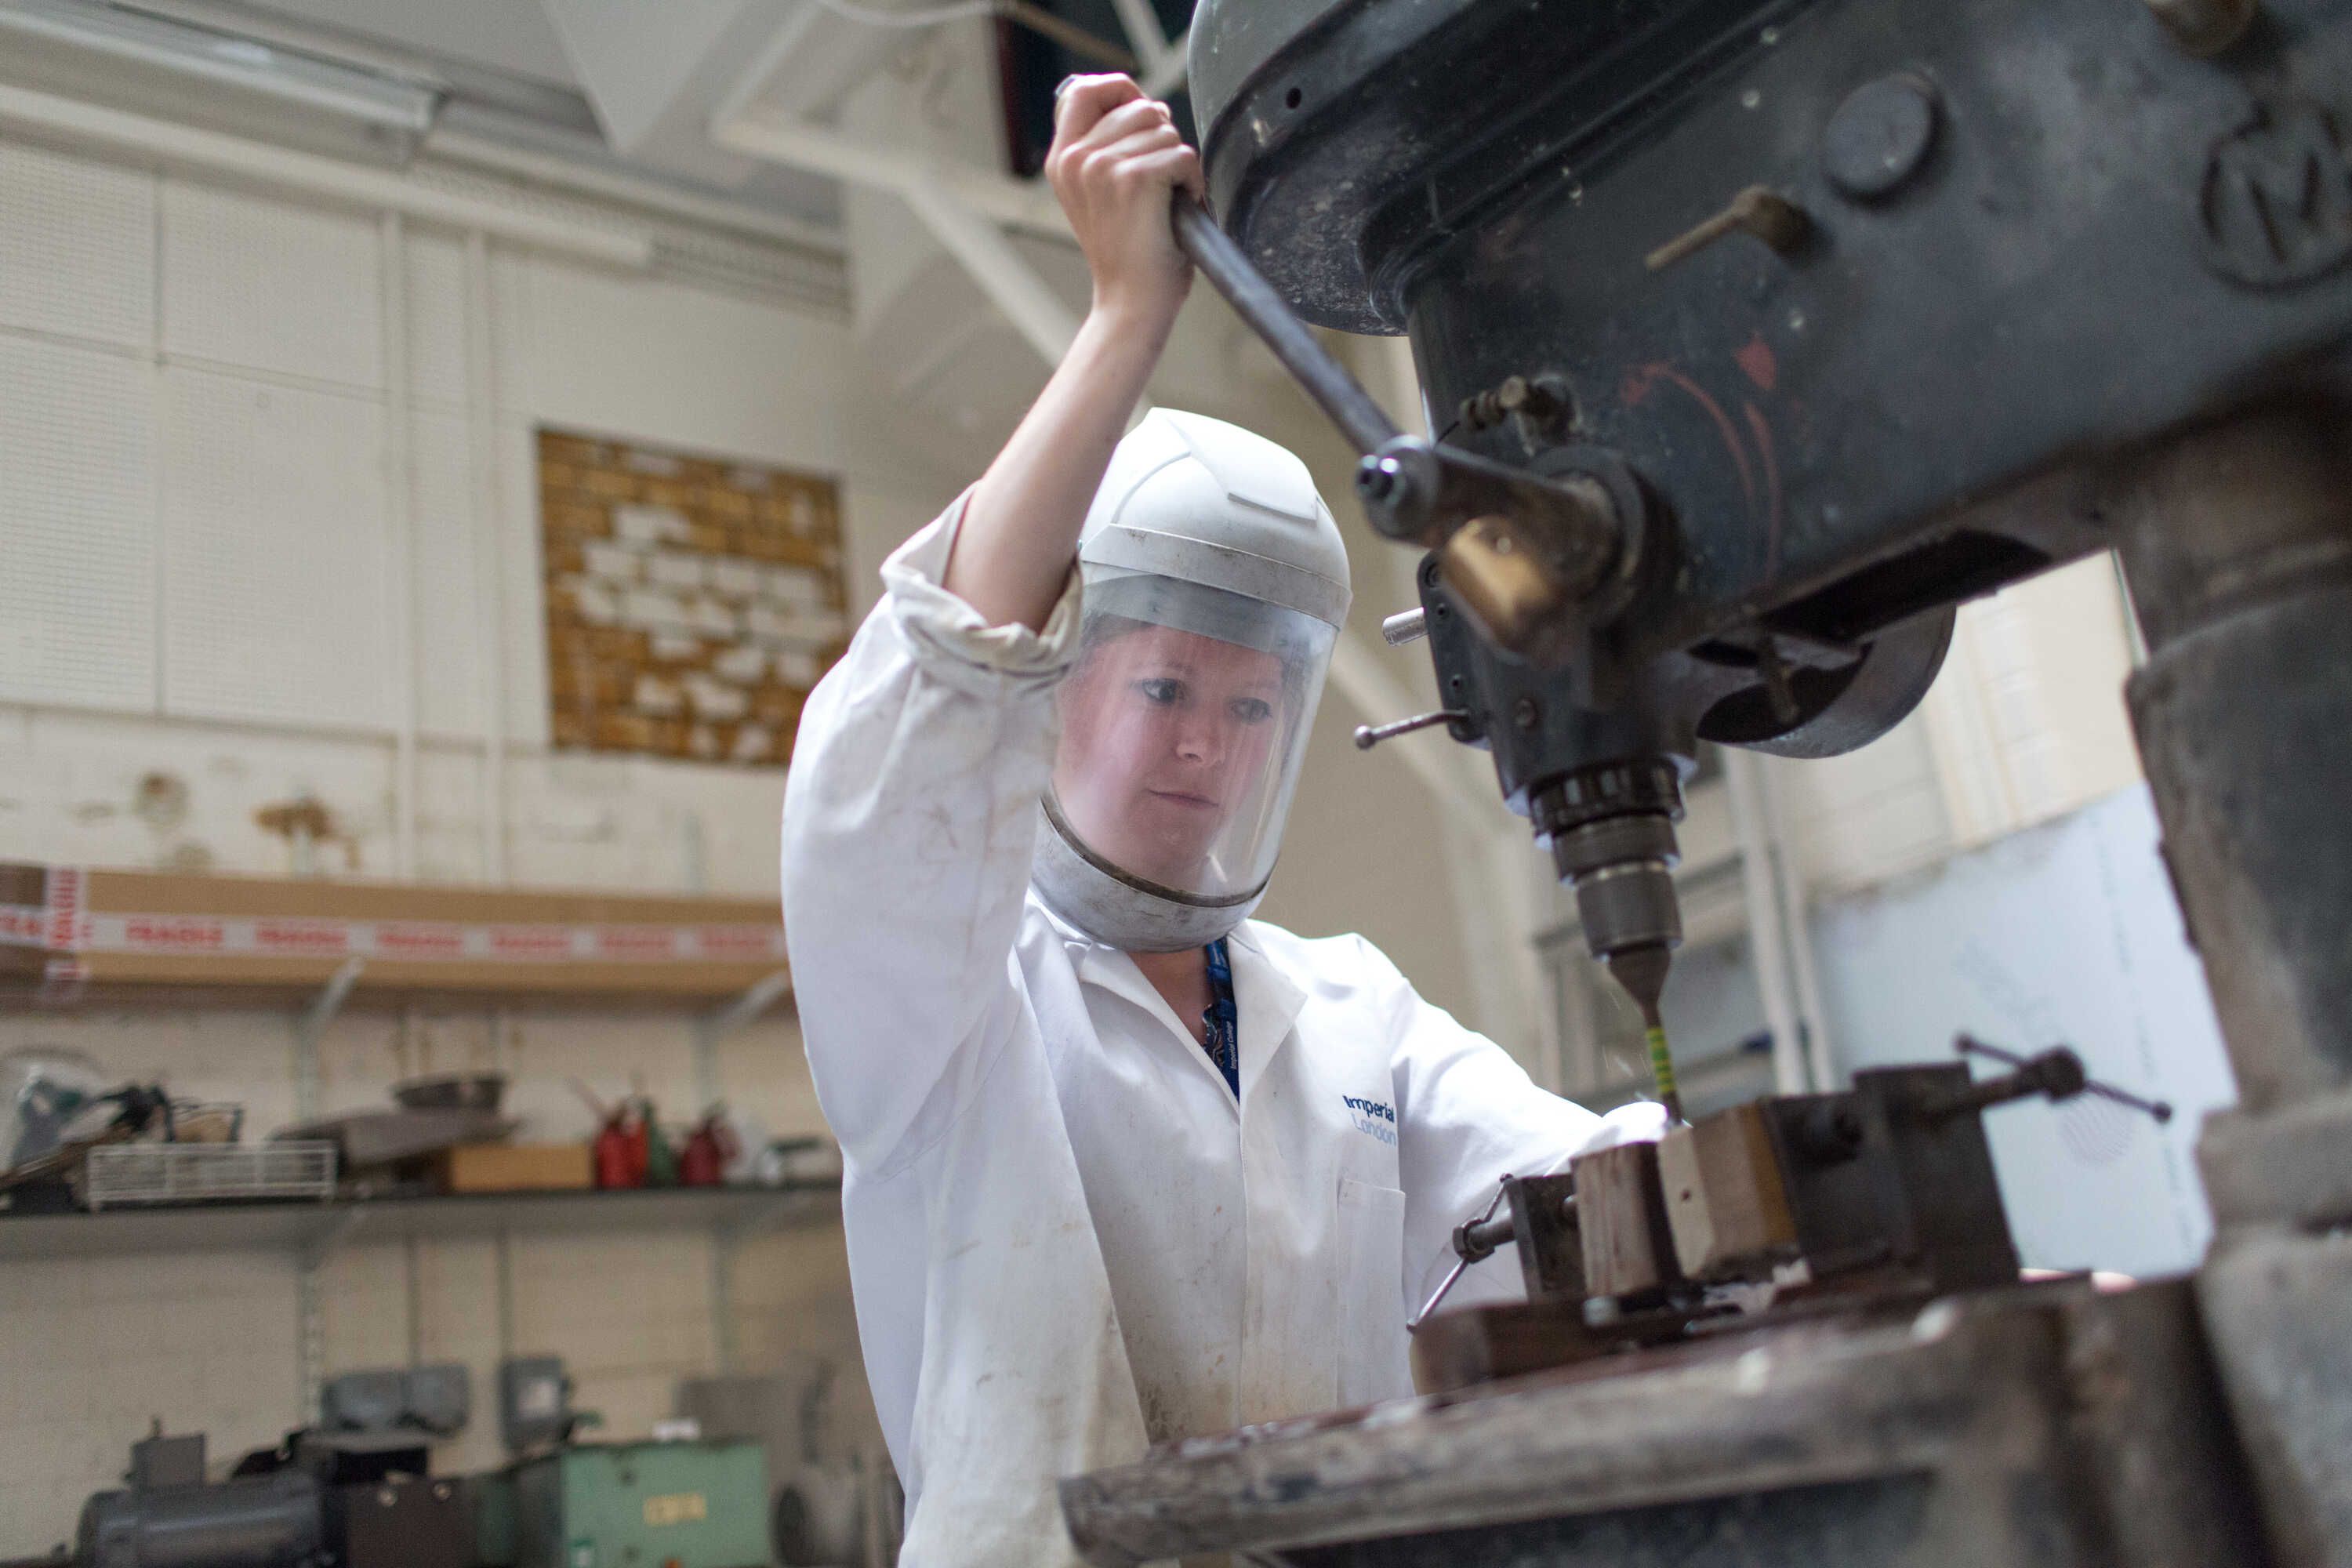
(722, 1301)
(309, 1303)
(312, 1026)
(720, 1021)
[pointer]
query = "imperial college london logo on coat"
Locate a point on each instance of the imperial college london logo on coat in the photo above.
(1372, 1117)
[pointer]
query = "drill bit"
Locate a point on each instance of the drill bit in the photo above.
(1641, 971)
(1662, 1068)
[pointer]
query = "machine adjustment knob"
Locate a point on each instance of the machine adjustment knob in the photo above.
(1880, 136)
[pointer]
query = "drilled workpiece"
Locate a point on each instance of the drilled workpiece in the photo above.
(1725, 1197)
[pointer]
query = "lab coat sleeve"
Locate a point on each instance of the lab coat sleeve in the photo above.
(1468, 1115)
(910, 811)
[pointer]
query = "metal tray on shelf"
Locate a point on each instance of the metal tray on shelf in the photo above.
(126, 1173)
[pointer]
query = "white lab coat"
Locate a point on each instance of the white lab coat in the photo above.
(1065, 1235)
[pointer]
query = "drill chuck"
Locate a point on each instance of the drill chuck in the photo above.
(1623, 870)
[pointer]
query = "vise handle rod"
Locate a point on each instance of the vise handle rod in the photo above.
(2057, 1072)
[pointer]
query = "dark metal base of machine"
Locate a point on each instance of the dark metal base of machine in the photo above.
(1854, 1521)
(2278, 1309)
(2043, 1425)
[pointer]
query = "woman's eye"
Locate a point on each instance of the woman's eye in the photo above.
(1162, 689)
(1252, 709)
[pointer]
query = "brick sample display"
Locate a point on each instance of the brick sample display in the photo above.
(691, 602)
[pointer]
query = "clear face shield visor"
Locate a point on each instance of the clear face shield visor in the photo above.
(1183, 724)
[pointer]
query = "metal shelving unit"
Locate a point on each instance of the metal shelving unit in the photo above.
(115, 938)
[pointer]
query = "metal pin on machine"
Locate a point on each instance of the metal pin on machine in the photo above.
(1371, 735)
(1404, 626)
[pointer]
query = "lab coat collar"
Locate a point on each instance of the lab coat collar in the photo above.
(1101, 964)
(1266, 999)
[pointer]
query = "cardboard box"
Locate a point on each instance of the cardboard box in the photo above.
(515, 1168)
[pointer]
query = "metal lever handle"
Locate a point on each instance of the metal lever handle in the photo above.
(1472, 1241)
(1327, 381)
(1759, 210)
(2031, 1070)
(1371, 735)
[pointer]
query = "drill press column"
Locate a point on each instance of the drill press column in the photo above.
(2239, 552)
(2240, 561)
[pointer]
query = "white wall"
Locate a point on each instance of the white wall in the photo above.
(220, 534)
(225, 565)
(2025, 723)
(2065, 932)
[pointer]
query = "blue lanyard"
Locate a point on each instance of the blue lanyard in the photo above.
(1220, 1026)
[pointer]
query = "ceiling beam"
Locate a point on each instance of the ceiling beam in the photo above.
(1000, 198)
(1041, 316)
(161, 144)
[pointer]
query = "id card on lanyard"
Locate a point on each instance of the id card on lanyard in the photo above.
(1220, 1026)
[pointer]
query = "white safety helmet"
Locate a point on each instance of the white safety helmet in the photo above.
(1215, 584)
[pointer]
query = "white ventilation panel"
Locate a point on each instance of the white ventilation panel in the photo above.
(77, 247)
(274, 603)
(76, 527)
(449, 633)
(261, 284)
(436, 318)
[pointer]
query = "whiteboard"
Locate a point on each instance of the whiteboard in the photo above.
(2063, 934)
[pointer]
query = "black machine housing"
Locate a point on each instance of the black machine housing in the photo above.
(2033, 238)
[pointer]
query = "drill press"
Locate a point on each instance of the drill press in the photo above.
(1779, 328)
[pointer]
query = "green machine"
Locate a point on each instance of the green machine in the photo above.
(565, 1504)
(628, 1505)
(644, 1505)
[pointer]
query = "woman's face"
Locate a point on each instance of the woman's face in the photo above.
(1165, 735)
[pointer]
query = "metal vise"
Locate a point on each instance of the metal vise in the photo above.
(1882, 1194)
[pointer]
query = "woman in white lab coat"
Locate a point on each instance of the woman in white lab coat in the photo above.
(1122, 1164)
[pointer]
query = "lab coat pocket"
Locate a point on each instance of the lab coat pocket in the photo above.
(1374, 1360)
